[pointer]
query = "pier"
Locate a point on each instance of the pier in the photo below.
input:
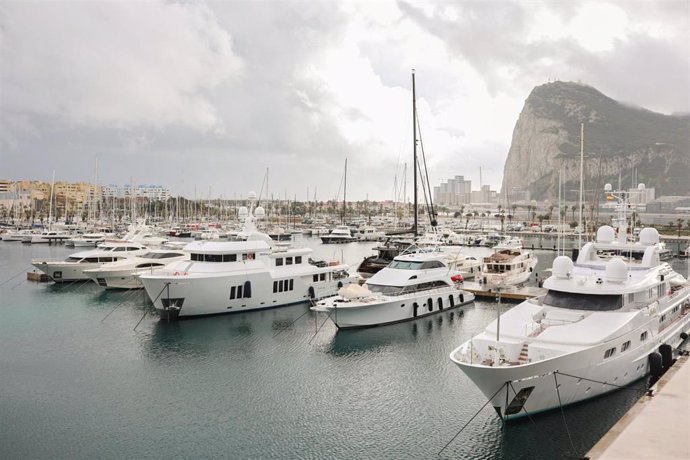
(656, 426)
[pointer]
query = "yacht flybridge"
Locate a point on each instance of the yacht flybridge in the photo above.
(608, 319)
(236, 276)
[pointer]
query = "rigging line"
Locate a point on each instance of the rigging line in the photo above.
(317, 331)
(14, 276)
(19, 283)
(468, 422)
(643, 390)
(426, 171)
(560, 404)
(142, 319)
(291, 324)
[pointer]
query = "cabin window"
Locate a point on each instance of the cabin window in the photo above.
(663, 318)
(280, 286)
(232, 292)
(405, 265)
(322, 277)
(229, 257)
(316, 278)
(275, 286)
(643, 336)
(120, 249)
(239, 292)
(292, 285)
(195, 257)
(660, 290)
(298, 259)
(431, 264)
(213, 257)
(610, 352)
(631, 298)
(288, 261)
(625, 346)
(575, 301)
(279, 262)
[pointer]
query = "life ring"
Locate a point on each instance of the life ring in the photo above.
(250, 256)
(176, 274)
(185, 273)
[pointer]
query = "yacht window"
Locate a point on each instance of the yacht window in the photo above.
(316, 278)
(662, 319)
(229, 257)
(232, 292)
(132, 248)
(149, 264)
(213, 257)
(322, 277)
(275, 286)
(660, 290)
(73, 259)
(643, 336)
(90, 260)
(239, 292)
(298, 259)
(196, 257)
(120, 249)
(279, 262)
(292, 286)
(405, 265)
(288, 261)
(575, 301)
(385, 290)
(610, 352)
(105, 259)
(625, 346)
(280, 286)
(431, 264)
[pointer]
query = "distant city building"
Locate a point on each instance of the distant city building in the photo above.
(455, 192)
(153, 192)
(484, 195)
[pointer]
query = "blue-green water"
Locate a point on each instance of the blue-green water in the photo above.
(78, 381)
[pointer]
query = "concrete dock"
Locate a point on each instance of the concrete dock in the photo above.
(512, 293)
(656, 427)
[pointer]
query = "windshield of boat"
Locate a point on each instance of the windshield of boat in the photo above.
(160, 255)
(400, 290)
(412, 265)
(576, 301)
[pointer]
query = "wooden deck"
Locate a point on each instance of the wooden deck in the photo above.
(512, 293)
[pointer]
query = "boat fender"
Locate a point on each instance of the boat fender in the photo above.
(666, 352)
(684, 336)
(311, 292)
(185, 273)
(656, 367)
(340, 284)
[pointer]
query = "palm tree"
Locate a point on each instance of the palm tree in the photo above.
(679, 224)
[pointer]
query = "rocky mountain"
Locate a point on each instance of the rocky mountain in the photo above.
(617, 139)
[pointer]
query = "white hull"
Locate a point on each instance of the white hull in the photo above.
(209, 294)
(580, 374)
(62, 272)
(396, 309)
(123, 279)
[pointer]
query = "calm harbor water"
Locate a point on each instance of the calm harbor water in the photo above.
(77, 380)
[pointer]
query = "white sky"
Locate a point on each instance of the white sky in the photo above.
(208, 95)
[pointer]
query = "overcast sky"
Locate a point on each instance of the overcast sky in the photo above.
(209, 95)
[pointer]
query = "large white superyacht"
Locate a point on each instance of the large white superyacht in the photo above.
(237, 276)
(607, 320)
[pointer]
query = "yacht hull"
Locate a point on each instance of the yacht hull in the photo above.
(405, 308)
(65, 272)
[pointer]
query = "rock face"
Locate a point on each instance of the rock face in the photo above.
(634, 142)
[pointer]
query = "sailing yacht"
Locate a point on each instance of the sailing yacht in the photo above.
(607, 319)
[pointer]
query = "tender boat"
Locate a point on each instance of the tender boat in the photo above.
(86, 240)
(49, 236)
(340, 234)
(72, 268)
(607, 320)
(124, 274)
(238, 276)
(412, 286)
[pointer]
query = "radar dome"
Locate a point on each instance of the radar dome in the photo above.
(252, 196)
(649, 236)
(616, 270)
(606, 234)
(562, 267)
(640, 186)
(259, 212)
(242, 212)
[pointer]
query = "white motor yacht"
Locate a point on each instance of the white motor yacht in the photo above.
(607, 320)
(86, 240)
(236, 276)
(124, 274)
(509, 265)
(72, 268)
(340, 234)
(49, 236)
(412, 286)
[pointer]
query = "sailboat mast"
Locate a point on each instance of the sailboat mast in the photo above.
(344, 192)
(582, 162)
(414, 150)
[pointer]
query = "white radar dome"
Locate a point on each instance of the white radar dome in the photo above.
(640, 186)
(242, 212)
(649, 236)
(606, 234)
(562, 267)
(259, 212)
(616, 270)
(251, 196)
